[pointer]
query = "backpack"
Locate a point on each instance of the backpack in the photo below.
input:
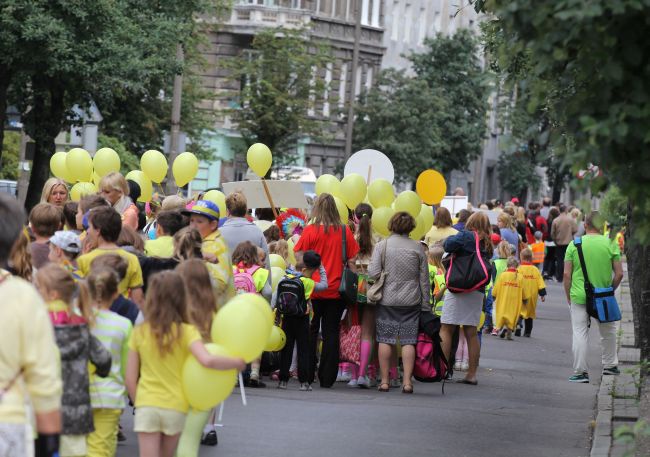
(291, 299)
(430, 362)
(243, 278)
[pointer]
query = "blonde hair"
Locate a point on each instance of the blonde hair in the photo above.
(281, 248)
(436, 251)
(55, 278)
(512, 262)
(576, 214)
(325, 212)
(165, 309)
(521, 214)
(173, 202)
(49, 186)
(102, 284)
(506, 219)
(114, 180)
(188, 244)
(20, 257)
(504, 250)
(201, 302)
(526, 255)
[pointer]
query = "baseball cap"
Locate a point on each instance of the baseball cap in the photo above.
(66, 240)
(496, 238)
(311, 259)
(515, 200)
(204, 208)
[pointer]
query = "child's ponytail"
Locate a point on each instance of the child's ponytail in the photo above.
(363, 214)
(84, 304)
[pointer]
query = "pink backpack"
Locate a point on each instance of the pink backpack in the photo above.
(243, 278)
(430, 362)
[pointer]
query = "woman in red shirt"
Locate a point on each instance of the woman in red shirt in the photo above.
(324, 235)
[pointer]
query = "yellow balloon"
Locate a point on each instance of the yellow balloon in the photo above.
(79, 164)
(353, 190)
(106, 161)
(431, 187)
(80, 189)
(381, 193)
(218, 198)
(146, 188)
(427, 216)
(277, 261)
(380, 218)
(408, 201)
(343, 210)
(96, 180)
(292, 254)
(185, 168)
(277, 274)
(58, 165)
(328, 184)
(203, 387)
(242, 329)
(258, 302)
(259, 159)
(418, 232)
(277, 340)
(154, 165)
(482, 321)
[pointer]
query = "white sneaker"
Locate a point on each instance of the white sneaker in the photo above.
(363, 382)
(464, 366)
(338, 376)
(353, 383)
(372, 383)
(457, 365)
(345, 377)
(394, 383)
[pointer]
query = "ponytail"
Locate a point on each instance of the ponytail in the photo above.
(363, 214)
(84, 304)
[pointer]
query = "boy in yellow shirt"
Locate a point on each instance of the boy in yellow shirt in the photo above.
(508, 293)
(168, 223)
(534, 286)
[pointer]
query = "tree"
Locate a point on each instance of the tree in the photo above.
(278, 81)
(10, 155)
(591, 63)
(435, 119)
(517, 173)
(66, 54)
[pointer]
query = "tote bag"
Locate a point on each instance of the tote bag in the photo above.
(468, 272)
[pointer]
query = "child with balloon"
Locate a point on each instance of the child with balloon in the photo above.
(157, 352)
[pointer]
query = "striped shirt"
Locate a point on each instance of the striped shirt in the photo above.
(114, 332)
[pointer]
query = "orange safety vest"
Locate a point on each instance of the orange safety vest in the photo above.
(538, 252)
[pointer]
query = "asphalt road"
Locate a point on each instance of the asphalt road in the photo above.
(523, 405)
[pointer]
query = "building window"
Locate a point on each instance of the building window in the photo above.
(343, 84)
(394, 35)
(407, 24)
(374, 18)
(365, 6)
(369, 75)
(312, 95)
(326, 94)
(357, 86)
(422, 27)
(437, 22)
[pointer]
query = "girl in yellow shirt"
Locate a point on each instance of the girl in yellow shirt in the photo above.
(157, 351)
(534, 287)
(508, 293)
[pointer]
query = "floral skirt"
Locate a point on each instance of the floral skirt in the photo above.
(398, 324)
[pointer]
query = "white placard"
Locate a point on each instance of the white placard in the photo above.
(285, 194)
(454, 204)
(370, 164)
(492, 215)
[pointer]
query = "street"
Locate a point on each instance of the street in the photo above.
(523, 405)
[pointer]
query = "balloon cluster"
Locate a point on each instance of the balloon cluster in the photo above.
(78, 168)
(242, 328)
(352, 190)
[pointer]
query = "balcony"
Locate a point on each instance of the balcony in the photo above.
(248, 18)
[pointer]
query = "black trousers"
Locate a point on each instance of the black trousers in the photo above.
(296, 328)
(528, 326)
(549, 261)
(559, 262)
(327, 318)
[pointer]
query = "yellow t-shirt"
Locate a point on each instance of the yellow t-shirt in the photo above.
(309, 286)
(133, 278)
(160, 383)
(532, 284)
(162, 247)
(260, 276)
(222, 270)
(508, 293)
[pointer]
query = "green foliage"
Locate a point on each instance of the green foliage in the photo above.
(517, 173)
(128, 160)
(10, 156)
(278, 85)
(433, 120)
(613, 208)
(590, 65)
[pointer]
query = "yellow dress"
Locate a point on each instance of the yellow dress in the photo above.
(221, 272)
(508, 293)
(532, 283)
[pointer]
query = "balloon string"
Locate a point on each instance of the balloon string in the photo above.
(241, 388)
(220, 413)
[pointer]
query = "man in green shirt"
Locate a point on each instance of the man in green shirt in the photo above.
(602, 259)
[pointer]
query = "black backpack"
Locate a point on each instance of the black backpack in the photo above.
(291, 299)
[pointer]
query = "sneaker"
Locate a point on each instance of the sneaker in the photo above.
(305, 387)
(395, 383)
(372, 383)
(293, 374)
(210, 439)
(527, 335)
(518, 332)
(508, 335)
(495, 331)
(464, 366)
(120, 436)
(582, 378)
(338, 376)
(352, 383)
(282, 385)
(345, 377)
(611, 371)
(275, 376)
(256, 383)
(457, 365)
(503, 332)
(363, 382)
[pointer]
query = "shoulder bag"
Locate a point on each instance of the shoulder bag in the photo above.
(348, 288)
(467, 273)
(375, 291)
(601, 302)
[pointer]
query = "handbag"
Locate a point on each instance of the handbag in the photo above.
(601, 302)
(350, 337)
(468, 272)
(348, 288)
(375, 291)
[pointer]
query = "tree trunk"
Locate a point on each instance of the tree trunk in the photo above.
(638, 259)
(43, 123)
(5, 77)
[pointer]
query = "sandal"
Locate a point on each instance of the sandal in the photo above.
(407, 388)
(384, 387)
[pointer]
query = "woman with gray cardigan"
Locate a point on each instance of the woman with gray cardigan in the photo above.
(404, 296)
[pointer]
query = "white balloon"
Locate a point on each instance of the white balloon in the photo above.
(370, 164)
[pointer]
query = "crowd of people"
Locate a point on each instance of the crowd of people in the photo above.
(121, 295)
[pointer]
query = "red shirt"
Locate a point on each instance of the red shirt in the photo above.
(330, 247)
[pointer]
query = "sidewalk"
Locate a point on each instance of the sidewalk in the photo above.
(618, 396)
